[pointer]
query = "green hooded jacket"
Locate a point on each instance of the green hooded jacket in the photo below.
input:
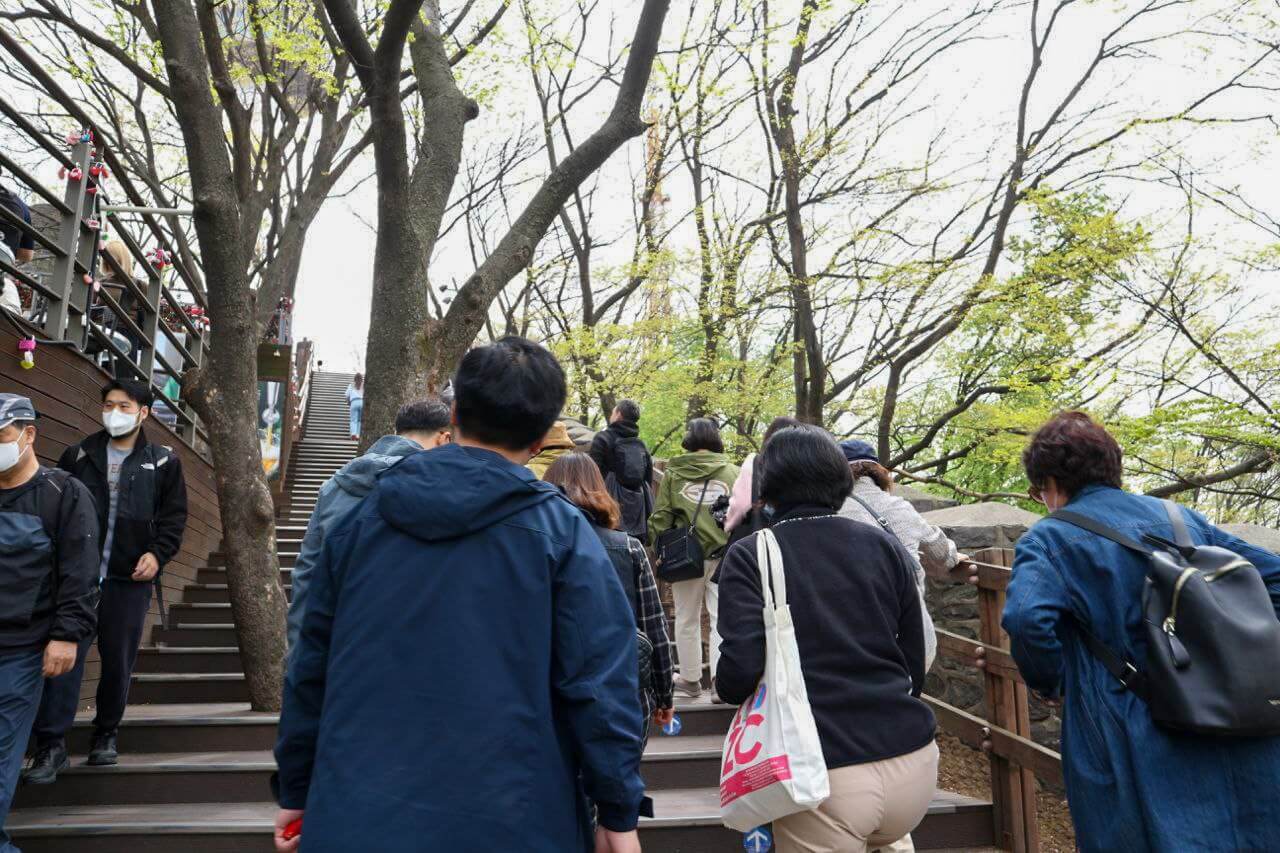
(681, 487)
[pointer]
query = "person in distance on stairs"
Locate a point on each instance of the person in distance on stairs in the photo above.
(141, 499)
(355, 404)
(465, 676)
(627, 467)
(49, 562)
(423, 424)
(694, 481)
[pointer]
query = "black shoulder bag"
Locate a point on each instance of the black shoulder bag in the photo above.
(680, 556)
(1212, 636)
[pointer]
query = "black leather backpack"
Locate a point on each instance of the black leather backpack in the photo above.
(1213, 639)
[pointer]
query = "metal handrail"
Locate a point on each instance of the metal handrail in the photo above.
(74, 249)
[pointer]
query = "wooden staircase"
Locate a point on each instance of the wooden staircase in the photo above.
(195, 761)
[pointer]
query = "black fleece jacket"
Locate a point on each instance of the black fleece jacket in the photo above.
(49, 555)
(151, 512)
(856, 610)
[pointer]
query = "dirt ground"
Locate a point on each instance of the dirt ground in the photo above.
(965, 770)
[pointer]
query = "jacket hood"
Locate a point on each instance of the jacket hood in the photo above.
(454, 491)
(625, 429)
(697, 466)
(358, 476)
(558, 438)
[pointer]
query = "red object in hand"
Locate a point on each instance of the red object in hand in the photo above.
(293, 830)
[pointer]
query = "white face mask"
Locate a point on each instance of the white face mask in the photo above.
(119, 423)
(11, 454)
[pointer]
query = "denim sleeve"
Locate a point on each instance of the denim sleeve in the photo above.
(594, 673)
(1035, 606)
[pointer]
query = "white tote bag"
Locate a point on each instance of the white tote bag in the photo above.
(772, 761)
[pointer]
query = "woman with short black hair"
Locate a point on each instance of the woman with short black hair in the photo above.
(702, 434)
(852, 594)
(1130, 785)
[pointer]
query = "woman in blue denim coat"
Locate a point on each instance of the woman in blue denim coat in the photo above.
(1130, 785)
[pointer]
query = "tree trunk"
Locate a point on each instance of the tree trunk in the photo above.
(466, 315)
(809, 368)
(225, 391)
(410, 210)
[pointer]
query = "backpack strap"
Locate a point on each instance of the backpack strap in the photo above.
(1097, 527)
(1180, 533)
(1115, 663)
(1125, 672)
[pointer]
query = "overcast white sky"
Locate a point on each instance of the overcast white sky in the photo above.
(976, 86)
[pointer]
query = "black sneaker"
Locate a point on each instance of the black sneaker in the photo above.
(103, 752)
(49, 760)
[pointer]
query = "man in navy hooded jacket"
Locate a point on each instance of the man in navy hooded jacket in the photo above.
(465, 677)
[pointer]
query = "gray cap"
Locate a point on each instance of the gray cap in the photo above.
(15, 408)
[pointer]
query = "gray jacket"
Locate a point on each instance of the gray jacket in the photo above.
(341, 494)
(928, 544)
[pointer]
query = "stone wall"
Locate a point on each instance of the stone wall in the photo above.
(954, 607)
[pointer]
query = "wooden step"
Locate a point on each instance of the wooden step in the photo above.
(168, 687)
(217, 593)
(686, 821)
(218, 574)
(184, 727)
(243, 775)
(195, 635)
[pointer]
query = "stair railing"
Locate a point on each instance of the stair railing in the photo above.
(71, 294)
(1005, 734)
(301, 369)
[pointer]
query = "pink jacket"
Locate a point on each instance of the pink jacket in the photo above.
(740, 498)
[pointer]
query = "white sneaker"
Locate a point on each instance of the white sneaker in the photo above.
(688, 689)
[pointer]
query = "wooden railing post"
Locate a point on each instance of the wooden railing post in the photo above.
(1013, 788)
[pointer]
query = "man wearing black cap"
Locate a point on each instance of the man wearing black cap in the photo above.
(48, 583)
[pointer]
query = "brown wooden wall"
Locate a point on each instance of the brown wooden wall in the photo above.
(66, 387)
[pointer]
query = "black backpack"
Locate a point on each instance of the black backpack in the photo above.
(618, 546)
(1213, 639)
(630, 460)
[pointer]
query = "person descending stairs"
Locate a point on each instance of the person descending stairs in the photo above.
(195, 768)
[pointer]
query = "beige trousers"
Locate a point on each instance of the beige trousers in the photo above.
(871, 806)
(688, 597)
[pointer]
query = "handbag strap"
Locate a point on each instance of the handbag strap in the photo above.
(694, 521)
(880, 519)
(773, 579)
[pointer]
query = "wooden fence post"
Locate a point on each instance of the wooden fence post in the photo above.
(1013, 788)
